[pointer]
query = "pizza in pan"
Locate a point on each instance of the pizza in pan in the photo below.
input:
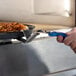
(12, 27)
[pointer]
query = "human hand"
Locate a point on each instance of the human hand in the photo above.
(70, 40)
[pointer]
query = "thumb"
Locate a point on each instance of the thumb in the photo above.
(69, 33)
(72, 31)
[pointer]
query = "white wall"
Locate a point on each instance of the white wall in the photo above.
(23, 11)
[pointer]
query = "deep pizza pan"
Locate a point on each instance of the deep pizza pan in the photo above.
(18, 34)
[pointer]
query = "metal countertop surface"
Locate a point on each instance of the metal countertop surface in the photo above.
(38, 58)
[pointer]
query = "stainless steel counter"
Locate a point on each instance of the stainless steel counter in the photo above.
(65, 73)
(38, 58)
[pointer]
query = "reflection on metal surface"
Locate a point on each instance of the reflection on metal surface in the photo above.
(64, 73)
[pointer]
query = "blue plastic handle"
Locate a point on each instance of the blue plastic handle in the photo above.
(57, 34)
